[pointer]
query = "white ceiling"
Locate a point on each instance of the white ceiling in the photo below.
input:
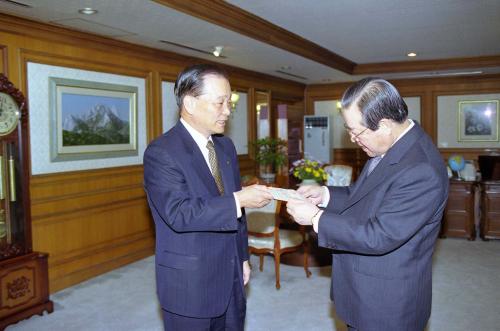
(363, 31)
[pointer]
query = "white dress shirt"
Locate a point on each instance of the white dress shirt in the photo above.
(202, 141)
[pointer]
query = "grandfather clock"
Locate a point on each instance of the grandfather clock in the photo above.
(24, 289)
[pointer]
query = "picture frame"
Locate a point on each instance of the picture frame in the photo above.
(478, 120)
(92, 120)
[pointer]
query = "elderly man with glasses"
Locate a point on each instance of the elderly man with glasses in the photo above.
(382, 229)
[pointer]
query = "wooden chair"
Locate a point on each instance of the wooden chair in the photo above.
(266, 237)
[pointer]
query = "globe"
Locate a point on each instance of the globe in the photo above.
(456, 162)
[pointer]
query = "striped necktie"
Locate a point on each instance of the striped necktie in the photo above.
(214, 165)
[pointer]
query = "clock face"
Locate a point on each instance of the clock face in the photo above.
(9, 114)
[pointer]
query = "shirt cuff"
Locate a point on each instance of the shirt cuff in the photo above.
(326, 197)
(315, 221)
(238, 206)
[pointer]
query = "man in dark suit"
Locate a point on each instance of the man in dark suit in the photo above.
(383, 228)
(192, 181)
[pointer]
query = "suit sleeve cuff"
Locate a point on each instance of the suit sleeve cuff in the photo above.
(315, 221)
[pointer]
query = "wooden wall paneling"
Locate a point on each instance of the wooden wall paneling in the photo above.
(153, 96)
(123, 53)
(4, 60)
(468, 153)
(427, 65)
(93, 221)
(89, 221)
(428, 89)
(354, 157)
(249, 166)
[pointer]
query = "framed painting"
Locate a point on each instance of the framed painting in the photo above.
(92, 120)
(478, 120)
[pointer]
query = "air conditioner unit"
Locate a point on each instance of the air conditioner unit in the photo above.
(317, 138)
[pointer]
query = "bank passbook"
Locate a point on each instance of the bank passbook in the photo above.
(284, 194)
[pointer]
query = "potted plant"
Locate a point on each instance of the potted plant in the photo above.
(310, 172)
(270, 154)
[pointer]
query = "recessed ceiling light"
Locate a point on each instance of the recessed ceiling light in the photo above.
(286, 68)
(87, 11)
(217, 51)
(411, 54)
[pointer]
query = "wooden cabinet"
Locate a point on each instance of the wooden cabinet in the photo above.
(23, 288)
(458, 218)
(490, 210)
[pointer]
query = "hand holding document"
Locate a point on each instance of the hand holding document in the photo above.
(284, 194)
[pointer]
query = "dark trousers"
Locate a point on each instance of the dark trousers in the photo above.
(233, 319)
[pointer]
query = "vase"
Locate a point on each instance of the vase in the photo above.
(268, 178)
(309, 182)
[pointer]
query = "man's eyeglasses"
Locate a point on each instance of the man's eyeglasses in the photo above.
(353, 136)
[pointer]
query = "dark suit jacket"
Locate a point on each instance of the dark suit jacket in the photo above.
(198, 237)
(383, 230)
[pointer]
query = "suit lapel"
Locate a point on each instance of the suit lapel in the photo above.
(385, 167)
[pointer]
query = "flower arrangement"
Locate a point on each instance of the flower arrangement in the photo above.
(308, 169)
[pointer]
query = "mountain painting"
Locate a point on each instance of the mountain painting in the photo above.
(94, 120)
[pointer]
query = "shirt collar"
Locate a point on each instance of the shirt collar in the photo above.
(199, 138)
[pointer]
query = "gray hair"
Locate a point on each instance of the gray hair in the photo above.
(191, 81)
(376, 99)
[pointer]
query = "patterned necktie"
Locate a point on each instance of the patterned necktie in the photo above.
(214, 165)
(373, 163)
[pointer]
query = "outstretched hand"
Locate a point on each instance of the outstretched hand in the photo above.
(254, 196)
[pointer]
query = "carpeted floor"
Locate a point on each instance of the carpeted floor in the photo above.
(466, 296)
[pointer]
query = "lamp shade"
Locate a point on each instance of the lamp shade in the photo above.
(235, 97)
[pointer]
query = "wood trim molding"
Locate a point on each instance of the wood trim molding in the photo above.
(236, 19)
(427, 65)
(83, 63)
(81, 176)
(58, 35)
(4, 65)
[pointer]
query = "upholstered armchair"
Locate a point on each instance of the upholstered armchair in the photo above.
(338, 175)
(266, 237)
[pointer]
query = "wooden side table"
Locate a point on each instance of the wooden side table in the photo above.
(490, 210)
(458, 219)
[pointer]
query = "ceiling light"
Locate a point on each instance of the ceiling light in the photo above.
(217, 51)
(411, 54)
(87, 11)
